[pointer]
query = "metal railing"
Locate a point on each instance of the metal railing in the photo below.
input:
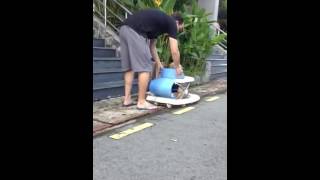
(112, 13)
(224, 42)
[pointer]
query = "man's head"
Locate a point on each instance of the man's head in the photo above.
(179, 21)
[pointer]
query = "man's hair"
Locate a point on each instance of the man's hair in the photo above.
(177, 16)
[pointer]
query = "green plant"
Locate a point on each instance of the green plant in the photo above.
(135, 5)
(197, 40)
(166, 6)
(179, 4)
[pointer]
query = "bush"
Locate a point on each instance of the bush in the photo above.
(197, 40)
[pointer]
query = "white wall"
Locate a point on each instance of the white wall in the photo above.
(211, 6)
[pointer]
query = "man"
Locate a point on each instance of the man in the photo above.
(137, 53)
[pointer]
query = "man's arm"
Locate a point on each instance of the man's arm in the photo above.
(153, 50)
(174, 51)
(175, 54)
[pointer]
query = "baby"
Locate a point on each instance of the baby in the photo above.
(180, 93)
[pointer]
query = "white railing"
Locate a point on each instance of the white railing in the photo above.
(224, 42)
(101, 9)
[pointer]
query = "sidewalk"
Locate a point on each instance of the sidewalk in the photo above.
(109, 114)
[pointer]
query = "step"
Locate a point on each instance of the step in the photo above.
(111, 89)
(98, 43)
(218, 75)
(106, 71)
(103, 52)
(101, 76)
(216, 69)
(112, 84)
(106, 58)
(217, 56)
(108, 75)
(219, 65)
(106, 63)
(217, 61)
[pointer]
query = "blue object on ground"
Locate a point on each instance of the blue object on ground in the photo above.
(169, 73)
(163, 87)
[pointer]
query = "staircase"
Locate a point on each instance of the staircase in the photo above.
(217, 63)
(216, 66)
(107, 74)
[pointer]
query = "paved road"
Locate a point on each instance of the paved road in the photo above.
(190, 146)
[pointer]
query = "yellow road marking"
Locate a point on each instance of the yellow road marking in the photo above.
(131, 130)
(212, 98)
(183, 110)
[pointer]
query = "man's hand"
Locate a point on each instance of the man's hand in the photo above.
(179, 70)
(159, 66)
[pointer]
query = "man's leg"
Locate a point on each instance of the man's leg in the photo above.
(128, 78)
(126, 65)
(144, 78)
(139, 60)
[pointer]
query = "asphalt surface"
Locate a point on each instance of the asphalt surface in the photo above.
(190, 146)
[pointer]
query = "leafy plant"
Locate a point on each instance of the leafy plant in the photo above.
(166, 6)
(197, 40)
(179, 4)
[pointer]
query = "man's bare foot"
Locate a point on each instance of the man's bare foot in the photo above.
(127, 102)
(146, 106)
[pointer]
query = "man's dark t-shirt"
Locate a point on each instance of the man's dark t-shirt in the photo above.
(151, 23)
